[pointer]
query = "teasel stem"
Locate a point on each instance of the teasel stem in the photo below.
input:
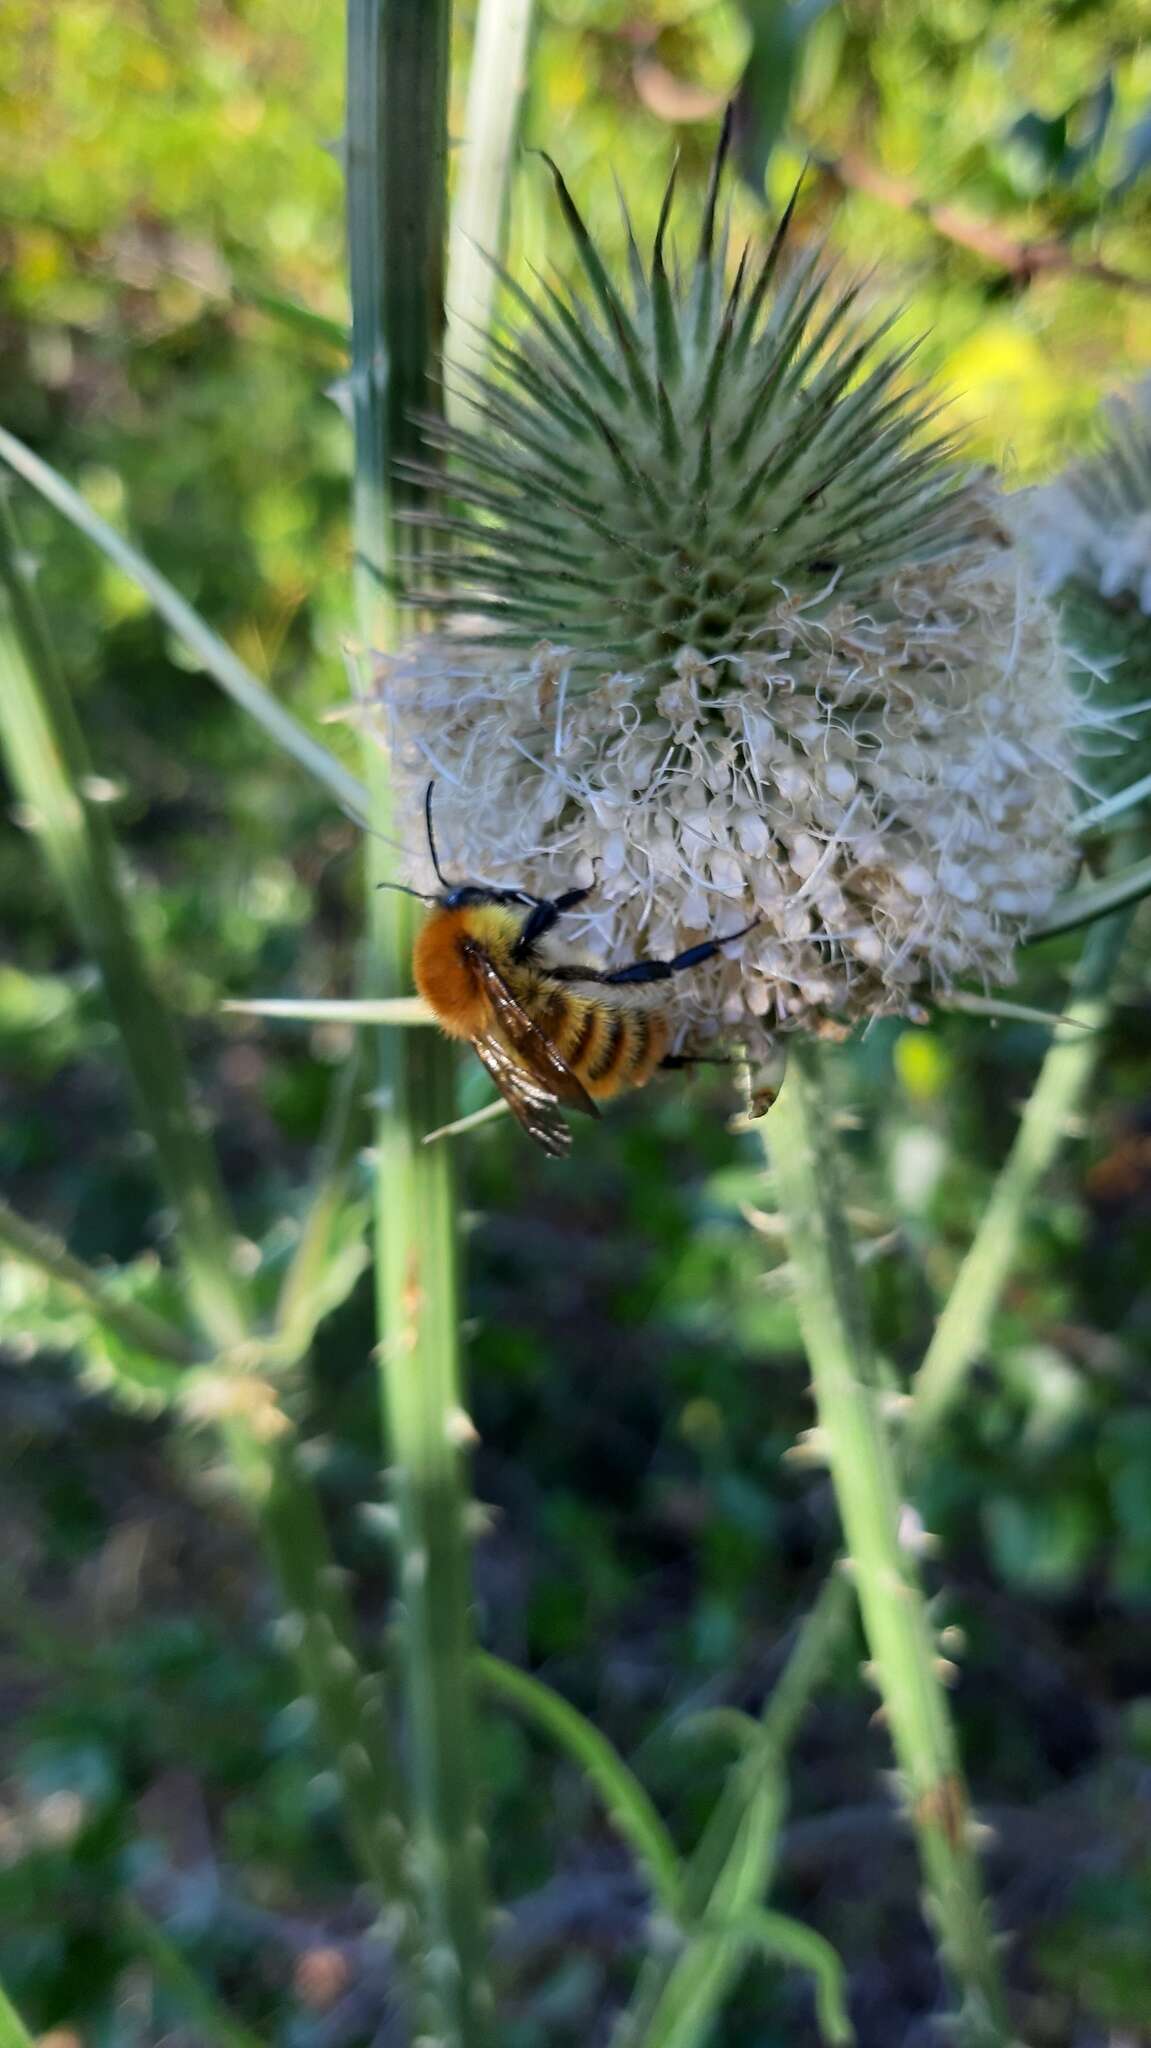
(834, 1322)
(1064, 1078)
(396, 170)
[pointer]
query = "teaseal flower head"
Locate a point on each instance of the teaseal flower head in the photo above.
(730, 633)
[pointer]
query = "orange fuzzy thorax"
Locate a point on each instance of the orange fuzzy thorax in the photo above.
(443, 975)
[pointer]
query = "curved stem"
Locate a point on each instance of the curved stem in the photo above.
(833, 1318)
(681, 1992)
(1064, 1078)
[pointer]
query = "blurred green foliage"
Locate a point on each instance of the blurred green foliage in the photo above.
(634, 1354)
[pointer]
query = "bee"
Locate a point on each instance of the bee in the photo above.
(552, 1035)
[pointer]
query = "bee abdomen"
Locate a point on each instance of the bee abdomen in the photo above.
(621, 1049)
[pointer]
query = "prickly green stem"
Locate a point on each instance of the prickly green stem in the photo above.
(396, 157)
(834, 1322)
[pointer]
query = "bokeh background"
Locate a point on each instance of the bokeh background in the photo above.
(169, 171)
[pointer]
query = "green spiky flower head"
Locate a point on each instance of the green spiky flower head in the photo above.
(729, 632)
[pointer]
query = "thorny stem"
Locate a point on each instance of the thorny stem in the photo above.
(137, 1325)
(396, 157)
(319, 1633)
(833, 1319)
(1064, 1078)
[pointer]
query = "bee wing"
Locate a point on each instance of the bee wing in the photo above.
(529, 1100)
(536, 1052)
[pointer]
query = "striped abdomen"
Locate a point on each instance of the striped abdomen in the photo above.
(608, 1047)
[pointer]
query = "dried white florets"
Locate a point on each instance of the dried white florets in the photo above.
(888, 791)
(1093, 523)
(733, 641)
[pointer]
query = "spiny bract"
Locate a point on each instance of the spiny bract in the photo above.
(731, 636)
(649, 476)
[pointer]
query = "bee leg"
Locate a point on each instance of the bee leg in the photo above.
(679, 1060)
(662, 970)
(545, 913)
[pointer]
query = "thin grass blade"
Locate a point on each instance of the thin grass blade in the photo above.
(221, 663)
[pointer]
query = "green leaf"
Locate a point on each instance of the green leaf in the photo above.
(331, 1250)
(51, 769)
(113, 1303)
(301, 319)
(624, 1797)
(764, 95)
(679, 1995)
(1136, 156)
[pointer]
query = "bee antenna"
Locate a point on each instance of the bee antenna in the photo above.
(405, 891)
(440, 876)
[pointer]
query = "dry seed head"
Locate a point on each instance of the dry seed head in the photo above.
(731, 635)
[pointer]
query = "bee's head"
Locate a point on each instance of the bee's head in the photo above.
(458, 895)
(469, 895)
